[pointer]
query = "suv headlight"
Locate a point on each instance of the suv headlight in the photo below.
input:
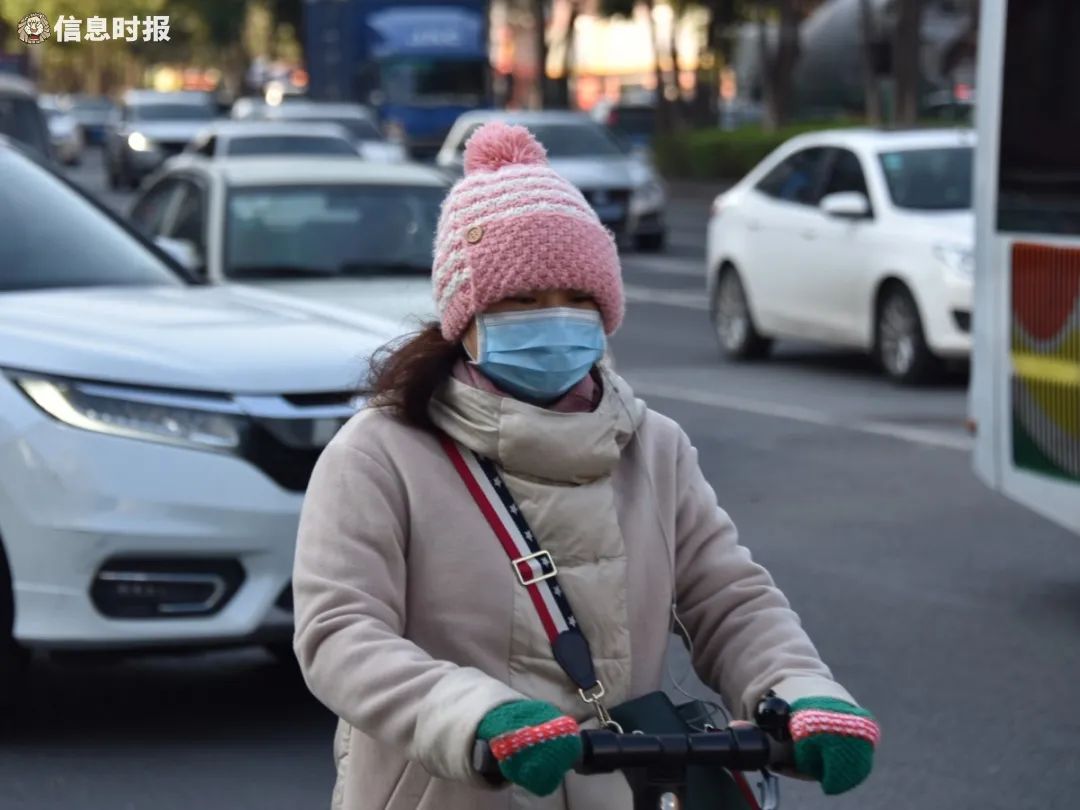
(187, 421)
(958, 261)
(648, 197)
(139, 142)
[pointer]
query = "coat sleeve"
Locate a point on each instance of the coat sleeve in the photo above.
(747, 639)
(349, 585)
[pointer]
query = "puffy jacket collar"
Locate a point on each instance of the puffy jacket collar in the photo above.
(534, 442)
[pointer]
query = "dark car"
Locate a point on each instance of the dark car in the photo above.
(20, 117)
(151, 127)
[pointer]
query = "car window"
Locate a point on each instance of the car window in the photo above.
(148, 213)
(290, 145)
(171, 112)
(51, 236)
(585, 139)
(330, 230)
(846, 174)
(21, 120)
(930, 179)
(797, 179)
(190, 219)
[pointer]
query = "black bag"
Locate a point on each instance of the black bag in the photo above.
(706, 788)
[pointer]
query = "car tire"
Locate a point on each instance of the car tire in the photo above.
(651, 242)
(733, 322)
(899, 341)
(13, 657)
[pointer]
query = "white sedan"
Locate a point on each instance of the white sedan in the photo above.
(349, 236)
(156, 436)
(854, 238)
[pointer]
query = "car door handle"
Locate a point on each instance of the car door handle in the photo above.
(809, 235)
(753, 225)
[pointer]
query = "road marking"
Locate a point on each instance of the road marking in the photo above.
(671, 298)
(798, 413)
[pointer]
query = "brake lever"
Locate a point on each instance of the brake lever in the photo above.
(769, 791)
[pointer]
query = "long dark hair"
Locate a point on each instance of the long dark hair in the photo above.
(403, 375)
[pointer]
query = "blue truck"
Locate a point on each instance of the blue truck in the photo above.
(418, 63)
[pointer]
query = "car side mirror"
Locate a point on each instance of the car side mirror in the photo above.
(183, 252)
(846, 205)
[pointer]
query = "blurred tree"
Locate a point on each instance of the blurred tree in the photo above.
(664, 117)
(561, 86)
(214, 33)
(540, 14)
(872, 62)
(93, 67)
(778, 59)
(907, 50)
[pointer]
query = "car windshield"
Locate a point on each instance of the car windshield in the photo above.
(50, 236)
(930, 179)
(576, 140)
(289, 145)
(171, 112)
(92, 104)
(21, 120)
(637, 121)
(360, 128)
(433, 81)
(330, 230)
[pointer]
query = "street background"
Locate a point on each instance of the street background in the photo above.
(950, 612)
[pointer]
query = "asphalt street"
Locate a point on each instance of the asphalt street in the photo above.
(947, 610)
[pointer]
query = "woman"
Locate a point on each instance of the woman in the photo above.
(411, 625)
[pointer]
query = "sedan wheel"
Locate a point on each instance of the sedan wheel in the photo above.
(902, 349)
(733, 322)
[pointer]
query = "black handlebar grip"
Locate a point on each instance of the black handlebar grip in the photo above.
(485, 764)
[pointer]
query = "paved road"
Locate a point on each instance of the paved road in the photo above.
(949, 611)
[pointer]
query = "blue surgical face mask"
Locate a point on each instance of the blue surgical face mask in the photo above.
(539, 354)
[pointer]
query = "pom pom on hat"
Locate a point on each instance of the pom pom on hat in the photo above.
(495, 145)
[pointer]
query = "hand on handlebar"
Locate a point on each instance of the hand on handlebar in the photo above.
(834, 742)
(534, 744)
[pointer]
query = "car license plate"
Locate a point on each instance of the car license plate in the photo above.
(610, 212)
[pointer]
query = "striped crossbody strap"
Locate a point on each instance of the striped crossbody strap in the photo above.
(536, 570)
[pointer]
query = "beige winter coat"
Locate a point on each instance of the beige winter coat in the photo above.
(410, 624)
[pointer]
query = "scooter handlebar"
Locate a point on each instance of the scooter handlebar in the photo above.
(741, 747)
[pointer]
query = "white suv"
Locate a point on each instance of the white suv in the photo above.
(156, 436)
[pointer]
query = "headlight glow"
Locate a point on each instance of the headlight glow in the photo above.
(148, 418)
(958, 260)
(139, 142)
(648, 197)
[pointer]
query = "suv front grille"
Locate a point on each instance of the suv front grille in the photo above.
(612, 206)
(287, 433)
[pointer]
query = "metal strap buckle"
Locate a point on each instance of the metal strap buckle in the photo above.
(545, 561)
(593, 698)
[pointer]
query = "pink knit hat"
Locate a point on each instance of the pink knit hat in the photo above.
(512, 225)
